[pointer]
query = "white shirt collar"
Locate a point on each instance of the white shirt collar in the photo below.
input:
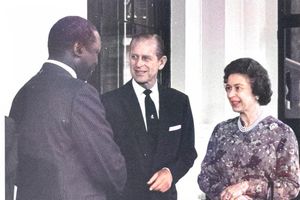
(64, 66)
(139, 91)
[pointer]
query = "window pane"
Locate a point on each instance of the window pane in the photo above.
(292, 37)
(295, 6)
(140, 12)
(292, 6)
(292, 73)
(292, 88)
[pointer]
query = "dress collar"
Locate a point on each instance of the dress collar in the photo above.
(242, 128)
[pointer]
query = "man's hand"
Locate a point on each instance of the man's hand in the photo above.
(161, 180)
(234, 191)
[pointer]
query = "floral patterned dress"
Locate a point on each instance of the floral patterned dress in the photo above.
(268, 152)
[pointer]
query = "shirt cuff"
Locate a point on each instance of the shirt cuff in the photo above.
(167, 169)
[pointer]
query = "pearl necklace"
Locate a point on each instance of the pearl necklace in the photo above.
(245, 128)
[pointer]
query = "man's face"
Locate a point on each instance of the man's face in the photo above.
(144, 63)
(88, 59)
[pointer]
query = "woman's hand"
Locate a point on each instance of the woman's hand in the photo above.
(235, 192)
(243, 197)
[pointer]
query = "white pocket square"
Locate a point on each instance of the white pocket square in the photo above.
(174, 128)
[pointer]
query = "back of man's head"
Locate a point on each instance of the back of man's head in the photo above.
(66, 32)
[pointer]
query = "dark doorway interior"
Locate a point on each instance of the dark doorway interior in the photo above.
(117, 21)
(289, 63)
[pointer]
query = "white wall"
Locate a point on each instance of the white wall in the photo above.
(253, 28)
(25, 28)
(215, 33)
(24, 32)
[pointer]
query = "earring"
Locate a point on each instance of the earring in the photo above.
(257, 98)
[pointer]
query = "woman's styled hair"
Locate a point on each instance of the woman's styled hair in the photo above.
(259, 78)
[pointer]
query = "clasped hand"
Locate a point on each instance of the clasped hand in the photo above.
(236, 192)
(161, 181)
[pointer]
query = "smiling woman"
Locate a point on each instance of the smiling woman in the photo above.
(248, 154)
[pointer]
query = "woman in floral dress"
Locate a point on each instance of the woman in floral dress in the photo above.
(252, 156)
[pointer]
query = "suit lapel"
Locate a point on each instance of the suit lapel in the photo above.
(136, 121)
(131, 105)
(162, 108)
(163, 123)
(133, 109)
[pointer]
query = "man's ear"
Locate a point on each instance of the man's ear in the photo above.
(78, 49)
(163, 60)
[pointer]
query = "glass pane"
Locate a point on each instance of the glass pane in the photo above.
(292, 88)
(144, 12)
(295, 6)
(140, 12)
(139, 16)
(292, 43)
(292, 72)
(295, 44)
(106, 17)
(292, 6)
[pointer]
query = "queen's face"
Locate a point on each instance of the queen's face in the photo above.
(239, 93)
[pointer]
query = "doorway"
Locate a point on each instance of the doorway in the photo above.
(117, 21)
(289, 63)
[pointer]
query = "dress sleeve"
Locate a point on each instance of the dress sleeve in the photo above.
(210, 179)
(286, 172)
(286, 183)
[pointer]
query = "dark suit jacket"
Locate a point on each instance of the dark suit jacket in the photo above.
(11, 158)
(65, 148)
(173, 149)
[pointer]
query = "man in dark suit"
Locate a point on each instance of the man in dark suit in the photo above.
(158, 148)
(65, 145)
(10, 157)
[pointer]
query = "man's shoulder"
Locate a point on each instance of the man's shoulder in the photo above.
(119, 92)
(61, 83)
(172, 92)
(53, 76)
